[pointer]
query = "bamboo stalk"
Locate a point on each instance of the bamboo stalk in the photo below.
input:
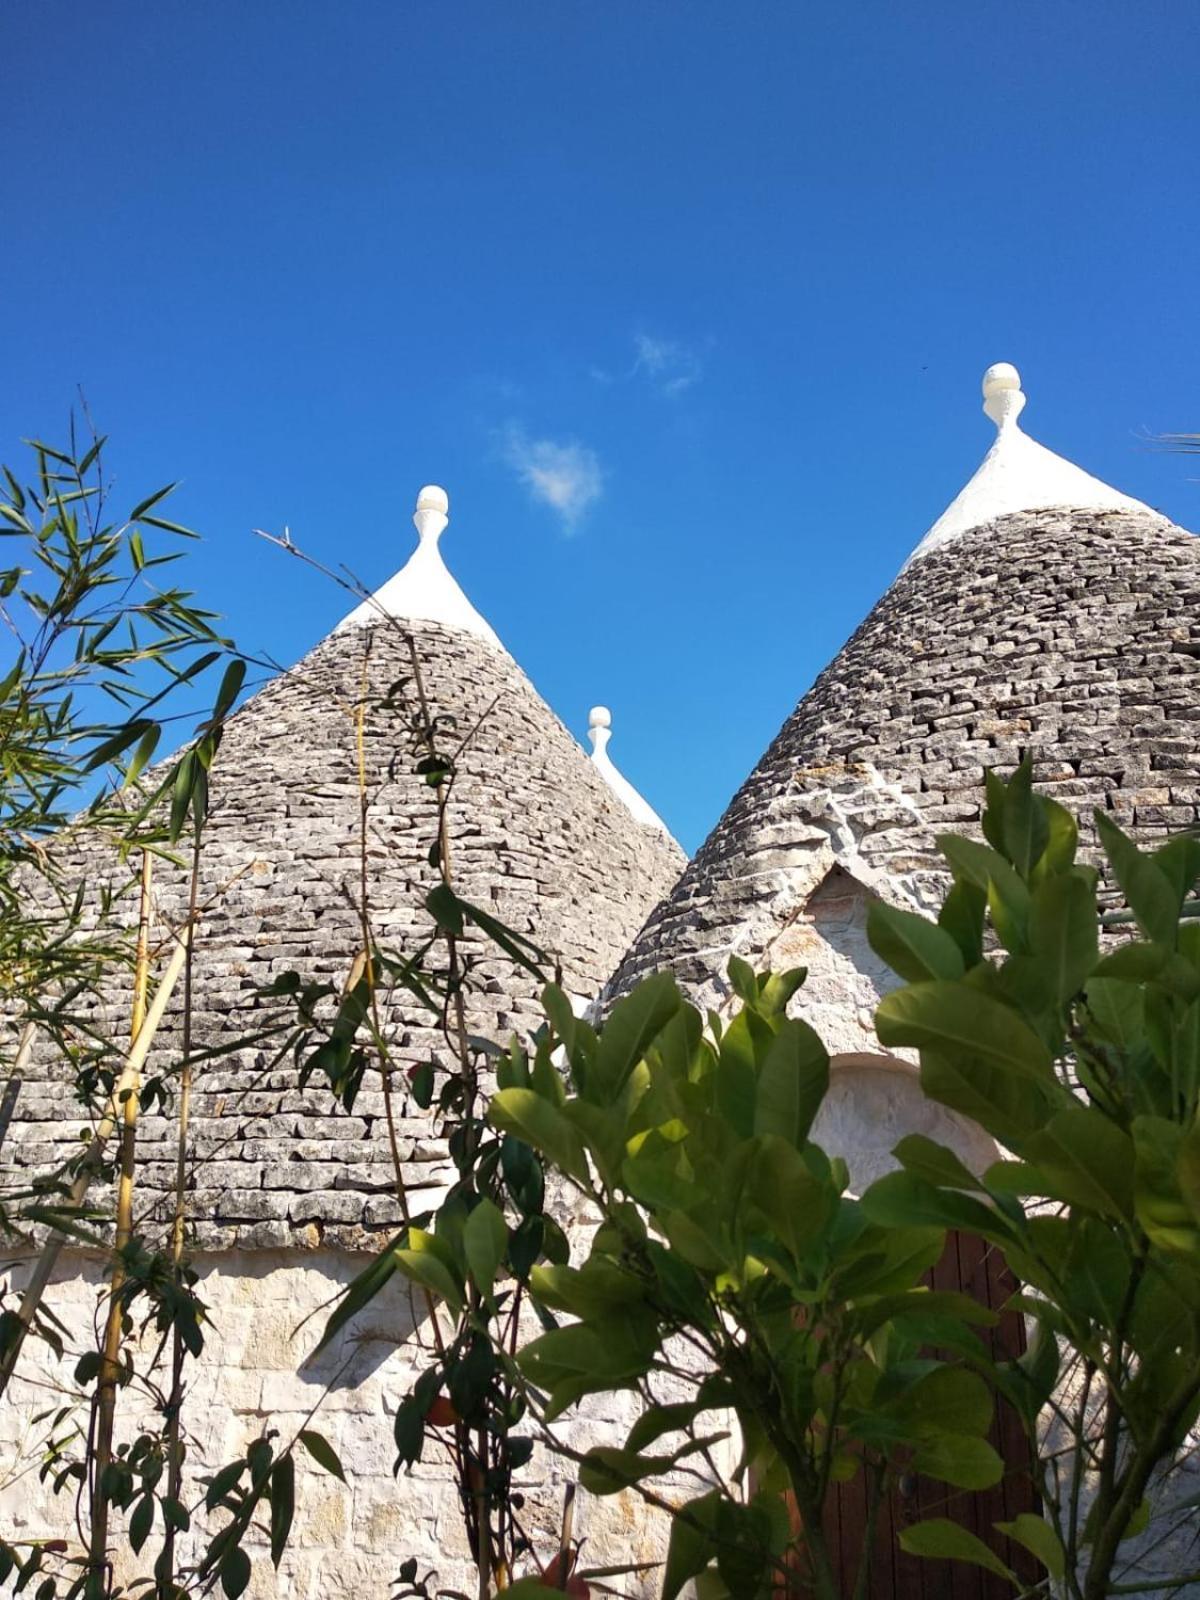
(165, 1570)
(94, 1155)
(24, 1049)
(110, 1365)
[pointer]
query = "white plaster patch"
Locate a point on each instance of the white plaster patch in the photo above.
(600, 732)
(424, 590)
(873, 1103)
(1018, 474)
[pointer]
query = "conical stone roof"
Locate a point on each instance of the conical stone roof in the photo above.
(1069, 630)
(539, 840)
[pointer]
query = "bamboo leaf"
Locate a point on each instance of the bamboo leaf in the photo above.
(283, 1504)
(322, 1452)
(150, 502)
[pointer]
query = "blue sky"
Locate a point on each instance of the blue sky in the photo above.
(686, 305)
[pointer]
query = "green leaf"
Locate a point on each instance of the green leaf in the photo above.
(562, 1017)
(1062, 932)
(421, 1084)
(1008, 897)
(117, 743)
(1163, 1181)
(605, 1470)
(167, 527)
(234, 1571)
(1146, 887)
(141, 1521)
(743, 980)
(912, 946)
(175, 1515)
(1088, 1160)
(792, 1083)
(964, 1460)
(796, 1204)
(360, 1291)
(146, 748)
(527, 955)
(629, 1030)
(1179, 863)
(322, 1452)
(736, 1074)
(231, 686)
(926, 1307)
(660, 1419)
(693, 1542)
(1062, 838)
(949, 1541)
(446, 909)
(283, 1504)
(485, 1239)
(1039, 1538)
(1026, 831)
(181, 793)
(693, 1243)
(963, 1024)
(614, 1352)
(427, 1260)
(598, 1288)
(962, 916)
(902, 1199)
(935, 1163)
(222, 1483)
(151, 501)
(977, 1055)
(526, 1114)
(1188, 1168)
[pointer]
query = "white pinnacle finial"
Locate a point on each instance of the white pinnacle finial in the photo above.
(1003, 399)
(432, 513)
(600, 732)
(424, 590)
(599, 729)
(1018, 474)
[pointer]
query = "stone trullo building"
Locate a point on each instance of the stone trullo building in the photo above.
(289, 1190)
(1043, 611)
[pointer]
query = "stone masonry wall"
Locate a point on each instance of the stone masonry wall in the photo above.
(348, 1540)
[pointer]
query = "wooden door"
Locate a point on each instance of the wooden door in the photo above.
(976, 1268)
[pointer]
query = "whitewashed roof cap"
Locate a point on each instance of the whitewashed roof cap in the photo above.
(424, 589)
(600, 732)
(1018, 474)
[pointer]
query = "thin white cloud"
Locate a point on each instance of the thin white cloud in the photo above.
(669, 365)
(562, 474)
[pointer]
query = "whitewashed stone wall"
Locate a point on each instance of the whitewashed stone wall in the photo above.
(267, 1310)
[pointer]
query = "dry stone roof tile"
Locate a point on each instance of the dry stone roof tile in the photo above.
(1071, 633)
(539, 840)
